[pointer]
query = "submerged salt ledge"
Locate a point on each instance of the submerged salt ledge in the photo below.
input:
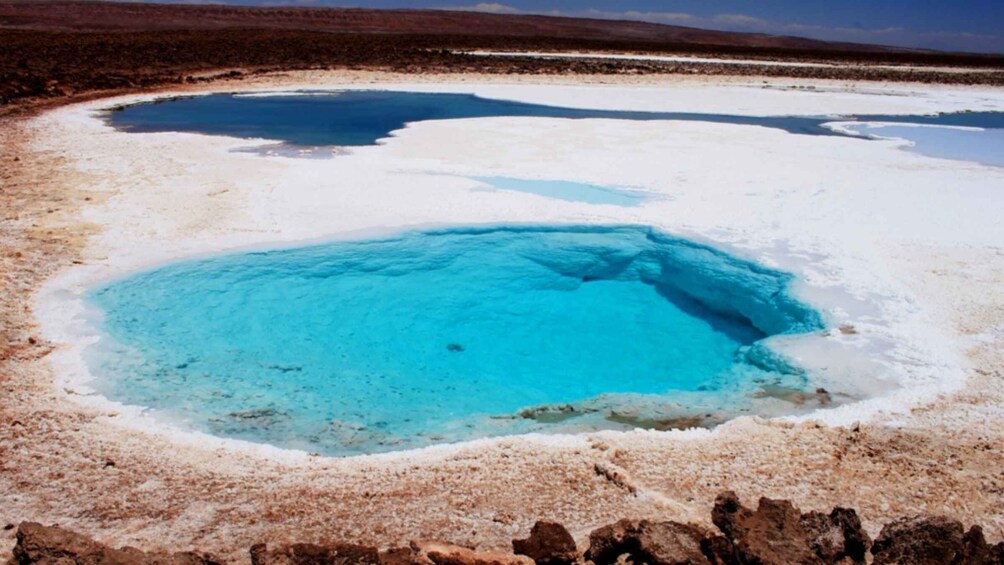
(860, 261)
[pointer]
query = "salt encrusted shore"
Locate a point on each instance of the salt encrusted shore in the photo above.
(905, 248)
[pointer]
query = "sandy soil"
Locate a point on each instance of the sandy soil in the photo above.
(71, 459)
(713, 60)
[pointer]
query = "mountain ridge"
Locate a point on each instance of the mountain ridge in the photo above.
(95, 16)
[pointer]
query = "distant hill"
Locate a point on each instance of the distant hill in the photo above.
(54, 49)
(57, 15)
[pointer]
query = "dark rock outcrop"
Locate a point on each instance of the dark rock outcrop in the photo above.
(771, 535)
(976, 550)
(776, 533)
(309, 554)
(837, 537)
(653, 543)
(718, 549)
(997, 554)
(42, 545)
(549, 544)
(438, 553)
(925, 540)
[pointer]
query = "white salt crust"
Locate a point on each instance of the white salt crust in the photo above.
(850, 218)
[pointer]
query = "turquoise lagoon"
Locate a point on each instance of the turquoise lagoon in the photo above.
(434, 336)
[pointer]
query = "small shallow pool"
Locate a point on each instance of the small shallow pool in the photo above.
(978, 145)
(367, 346)
(567, 190)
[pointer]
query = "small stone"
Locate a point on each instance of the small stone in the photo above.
(549, 544)
(653, 543)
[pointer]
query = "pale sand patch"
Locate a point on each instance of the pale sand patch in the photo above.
(903, 247)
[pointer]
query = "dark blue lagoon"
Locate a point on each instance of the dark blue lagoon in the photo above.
(367, 346)
(355, 118)
(986, 120)
(358, 118)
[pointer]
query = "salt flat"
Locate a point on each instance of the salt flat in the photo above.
(905, 249)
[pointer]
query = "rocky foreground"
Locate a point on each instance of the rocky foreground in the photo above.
(776, 533)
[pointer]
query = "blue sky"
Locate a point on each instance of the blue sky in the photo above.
(967, 25)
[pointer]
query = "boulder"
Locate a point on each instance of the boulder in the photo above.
(997, 554)
(771, 535)
(727, 512)
(549, 544)
(837, 537)
(976, 550)
(653, 543)
(398, 556)
(438, 553)
(309, 554)
(718, 549)
(42, 545)
(924, 540)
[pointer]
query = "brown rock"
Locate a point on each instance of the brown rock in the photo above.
(653, 543)
(932, 540)
(398, 556)
(837, 538)
(975, 549)
(309, 554)
(772, 535)
(997, 554)
(41, 545)
(718, 550)
(549, 544)
(438, 553)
